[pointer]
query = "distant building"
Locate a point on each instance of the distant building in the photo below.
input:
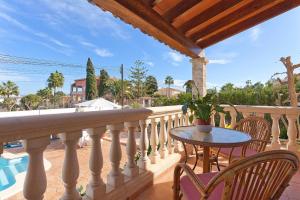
(77, 92)
(168, 92)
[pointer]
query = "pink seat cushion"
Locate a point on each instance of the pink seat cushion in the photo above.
(190, 191)
(237, 152)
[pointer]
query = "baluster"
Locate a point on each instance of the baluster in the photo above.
(181, 119)
(154, 156)
(177, 144)
(170, 142)
(115, 178)
(275, 131)
(96, 188)
(222, 120)
(233, 116)
(292, 132)
(35, 181)
(144, 161)
(212, 119)
(131, 170)
(70, 171)
(162, 138)
(187, 121)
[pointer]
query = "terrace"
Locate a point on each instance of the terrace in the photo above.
(113, 171)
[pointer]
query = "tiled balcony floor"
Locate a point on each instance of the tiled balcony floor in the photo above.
(162, 188)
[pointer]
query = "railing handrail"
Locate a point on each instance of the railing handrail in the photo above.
(24, 127)
(264, 109)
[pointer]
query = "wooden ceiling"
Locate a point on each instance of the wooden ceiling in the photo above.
(191, 25)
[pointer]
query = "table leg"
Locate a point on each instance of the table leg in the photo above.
(206, 162)
(185, 152)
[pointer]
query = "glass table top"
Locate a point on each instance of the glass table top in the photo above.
(218, 137)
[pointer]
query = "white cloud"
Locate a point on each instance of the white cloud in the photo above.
(14, 22)
(219, 61)
(178, 83)
(83, 14)
(151, 64)
(176, 57)
(6, 75)
(103, 52)
(255, 33)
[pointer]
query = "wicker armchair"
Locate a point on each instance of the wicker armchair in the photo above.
(261, 176)
(260, 131)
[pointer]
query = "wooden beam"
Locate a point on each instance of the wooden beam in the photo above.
(150, 3)
(236, 15)
(179, 9)
(140, 15)
(250, 22)
(207, 14)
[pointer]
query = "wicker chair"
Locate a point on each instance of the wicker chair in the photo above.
(261, 176)
(260, 131)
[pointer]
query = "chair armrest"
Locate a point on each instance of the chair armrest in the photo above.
(180, 167)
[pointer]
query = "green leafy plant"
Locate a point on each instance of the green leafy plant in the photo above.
(202, 107)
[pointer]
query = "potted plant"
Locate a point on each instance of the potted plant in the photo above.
(201, 109)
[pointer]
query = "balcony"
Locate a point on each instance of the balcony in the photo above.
(117, 167)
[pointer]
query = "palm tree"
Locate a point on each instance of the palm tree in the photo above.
(55, 80)
(169, 81)
(7, 90)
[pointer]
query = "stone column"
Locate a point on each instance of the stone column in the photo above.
(144, 161)
(199, 73)
(35, 181)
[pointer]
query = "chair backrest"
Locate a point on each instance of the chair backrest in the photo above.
(262, 176)
(258, 128)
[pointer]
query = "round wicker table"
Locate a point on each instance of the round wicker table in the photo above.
(218, 137)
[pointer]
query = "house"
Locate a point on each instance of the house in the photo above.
(171, 92)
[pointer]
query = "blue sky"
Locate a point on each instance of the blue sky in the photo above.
(69, 31)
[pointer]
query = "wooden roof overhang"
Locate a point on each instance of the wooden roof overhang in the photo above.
(192, 25)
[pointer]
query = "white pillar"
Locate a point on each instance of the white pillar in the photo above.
(70, 171)
(162, 138)
(115, 178)
(144, 161)
(222, 120)
(170, 142)
(96, 188)
(199, 73)
(292, 132)
(131, 170)
(177, 144)
(212, 119)
(35, 181)
(275, 131)
(233, 116)
(154, 156)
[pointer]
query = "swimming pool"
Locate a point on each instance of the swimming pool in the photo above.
(9, 168)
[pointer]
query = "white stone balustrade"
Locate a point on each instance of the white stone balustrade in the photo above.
(36, 130)
(144, 160)
(162, 138)
(96, 187)
(35, 182)
(276, 112)
(131, 170)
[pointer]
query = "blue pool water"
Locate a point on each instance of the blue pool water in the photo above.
(9, 168)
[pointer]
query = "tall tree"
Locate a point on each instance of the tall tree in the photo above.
(103, 82)
(56, 80)
(114, 86)
(169, 81)
(151, 85)
(137, 77)
(7, 90)
(31, 101)
(91, 82)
